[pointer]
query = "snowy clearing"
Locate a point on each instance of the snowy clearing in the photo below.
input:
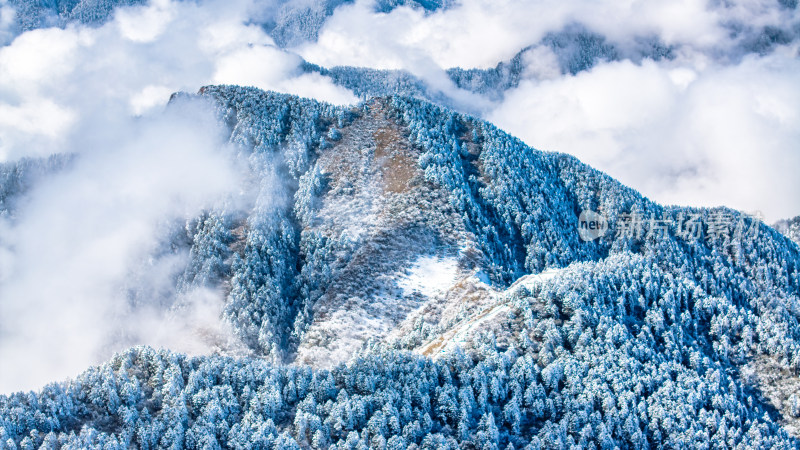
(429, 276)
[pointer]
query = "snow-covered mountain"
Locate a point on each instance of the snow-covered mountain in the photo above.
(400, 275)
(790, 228)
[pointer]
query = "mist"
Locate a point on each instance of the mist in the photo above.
(83, 266)
(723, 135)
(81, 235)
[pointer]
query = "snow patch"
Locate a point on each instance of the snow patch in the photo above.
(529, 281)
(429, 276)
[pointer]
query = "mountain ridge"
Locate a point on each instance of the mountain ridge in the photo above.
(549, 340)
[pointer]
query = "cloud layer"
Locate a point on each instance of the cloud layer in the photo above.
(82, 267)
(722, 135)
(53, 81)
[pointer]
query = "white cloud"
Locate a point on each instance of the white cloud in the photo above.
(481, 33)
(37, 117)
(726, 135)
(39, 59)
(145, 24)
(314, 85)
(132, 64)
(246, 67)
(148, 98)
(81, 235)
(541, 63)
(7, 15)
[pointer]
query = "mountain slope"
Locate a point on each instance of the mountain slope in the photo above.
(362, 191)
(789, 228)
(425, 273)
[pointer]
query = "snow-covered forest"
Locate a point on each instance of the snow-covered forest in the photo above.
(352, 224)
(640, 341)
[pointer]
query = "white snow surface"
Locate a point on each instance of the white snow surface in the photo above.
(429, 276)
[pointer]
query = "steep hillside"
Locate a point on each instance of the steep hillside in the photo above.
(789, 228)
(364, 194)
(423, 275)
